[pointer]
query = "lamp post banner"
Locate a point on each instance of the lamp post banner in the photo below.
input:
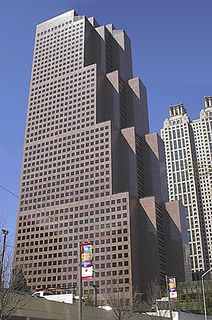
(172, 288)
(86, 261)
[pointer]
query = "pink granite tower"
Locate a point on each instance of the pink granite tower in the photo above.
(91, 170)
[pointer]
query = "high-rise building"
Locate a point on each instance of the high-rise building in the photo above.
(91, 170)
(188, 162)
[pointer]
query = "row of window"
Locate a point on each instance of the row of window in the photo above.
(56, 29)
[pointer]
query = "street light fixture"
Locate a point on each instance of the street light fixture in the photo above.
(203, 291)
(5, 232)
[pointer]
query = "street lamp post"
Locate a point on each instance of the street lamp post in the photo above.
(203, 292)
(170, 306)
(80, 280)
(95, 286)
(5, 232)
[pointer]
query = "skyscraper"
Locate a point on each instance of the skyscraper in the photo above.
(188, 160)
(91, 170)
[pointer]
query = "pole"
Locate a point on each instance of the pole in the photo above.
(80, 281)
(95, 294)
(167, 288)
(5, 232)
(203, 292)
(204, 303)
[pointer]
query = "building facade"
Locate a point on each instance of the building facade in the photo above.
(91, 170)
(188, 161)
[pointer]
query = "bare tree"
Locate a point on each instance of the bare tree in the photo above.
(152, 294)
(152, 302)
(123, 306)
(89, 299)
(11, 298)
(12, 283)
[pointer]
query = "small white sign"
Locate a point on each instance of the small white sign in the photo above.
(87, 272)
(173, 295)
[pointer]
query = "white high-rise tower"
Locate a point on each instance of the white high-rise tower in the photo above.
(188, 162)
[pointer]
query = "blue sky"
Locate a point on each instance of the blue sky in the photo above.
(171, 49)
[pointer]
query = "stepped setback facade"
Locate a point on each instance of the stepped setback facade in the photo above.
(188, 160)
(91, 170)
